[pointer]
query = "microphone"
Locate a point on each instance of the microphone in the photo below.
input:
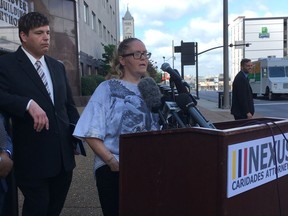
(151, 93)
(171, 109)
(152, 96)
(185, 102)
(179, 83)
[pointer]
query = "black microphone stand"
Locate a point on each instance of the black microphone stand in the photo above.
(186, 103)
(170, 111)
(172, 86)
(184, 99)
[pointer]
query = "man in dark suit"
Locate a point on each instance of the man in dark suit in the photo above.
(41, 108)
(6, 162)
(242, 96)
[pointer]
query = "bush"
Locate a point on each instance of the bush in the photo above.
(90, 83)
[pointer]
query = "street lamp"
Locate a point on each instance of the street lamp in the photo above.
(227, 75)
(230, 45)
(173, 59)
(243, 44)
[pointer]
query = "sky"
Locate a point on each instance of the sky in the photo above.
(159, 23)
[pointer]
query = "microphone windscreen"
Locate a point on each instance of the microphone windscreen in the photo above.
(150, 92)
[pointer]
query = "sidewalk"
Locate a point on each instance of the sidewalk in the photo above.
(212, 113)
(82, 199)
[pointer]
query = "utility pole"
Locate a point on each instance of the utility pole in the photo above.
(173, 56)
(226, 104)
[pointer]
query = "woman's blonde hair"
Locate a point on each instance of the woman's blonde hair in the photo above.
(117, 70)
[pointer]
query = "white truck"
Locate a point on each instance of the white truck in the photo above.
(269, 77)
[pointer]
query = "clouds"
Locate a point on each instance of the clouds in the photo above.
(159, 8)
(159, 22)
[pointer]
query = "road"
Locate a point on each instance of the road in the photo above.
(276, 108)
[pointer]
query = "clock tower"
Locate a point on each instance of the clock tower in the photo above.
(128, 25)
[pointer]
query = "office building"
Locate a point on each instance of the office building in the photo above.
(266, 37)
(98, 25)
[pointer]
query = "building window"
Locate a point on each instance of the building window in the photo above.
(100, 28)
(93, 21)
(86, 13)
(111, 11)
(104, 33)
(82, 69)
(89, 68)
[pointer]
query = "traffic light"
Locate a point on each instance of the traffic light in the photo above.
(187, 51)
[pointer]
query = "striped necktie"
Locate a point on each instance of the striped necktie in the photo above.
(42, 75)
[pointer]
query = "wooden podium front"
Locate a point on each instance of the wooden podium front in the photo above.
(187, 171)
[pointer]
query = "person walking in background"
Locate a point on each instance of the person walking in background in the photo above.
(6, 162)
(35, 93)
(242, 95)
(116, 107)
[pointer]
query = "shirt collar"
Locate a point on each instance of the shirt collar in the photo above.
(32, 59)
(245, 74)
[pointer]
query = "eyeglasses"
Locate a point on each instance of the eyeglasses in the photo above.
(138, 55)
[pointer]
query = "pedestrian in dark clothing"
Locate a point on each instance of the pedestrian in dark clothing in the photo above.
(242, 95)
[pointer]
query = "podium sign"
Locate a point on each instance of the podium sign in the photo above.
(236, 169)
(256, 162)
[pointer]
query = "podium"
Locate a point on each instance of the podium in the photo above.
(240, 168)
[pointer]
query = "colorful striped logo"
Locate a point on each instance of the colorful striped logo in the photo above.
(256, 162)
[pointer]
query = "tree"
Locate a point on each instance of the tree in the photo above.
(107, 57)
(153, 71)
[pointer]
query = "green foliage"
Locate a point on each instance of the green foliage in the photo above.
(153, 71)
(107, 57)
(109, 50)
(90, 83)
(158, 77)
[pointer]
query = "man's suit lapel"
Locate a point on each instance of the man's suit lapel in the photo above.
(53, 72)
(30, 71)
(3, 185)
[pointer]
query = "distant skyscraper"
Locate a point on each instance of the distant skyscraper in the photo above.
(128, 25)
